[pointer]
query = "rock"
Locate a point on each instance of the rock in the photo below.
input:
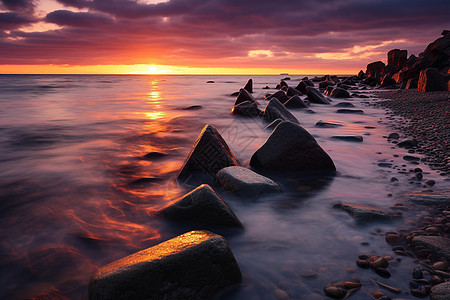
(411, 84)
(325, 84)
(295, 102)
(375, 69)
(361, 75)
(431, 199)
(281, 96)
(283, 84)
(208, 155)
(387, 81)
(249, 86)
(275, 110)
(430, 182)
(362, 263)
(440, 291)
(210, 81)
(335, 292)
(393, 136)
(246, 109)
(431, 80)
(291, 149)
(292, 92)
(379, 262)
(411, 158)
(349, 138)
(328, 90)
(394, 239)
(438, 244)
(349, 111)
(344, 104)
(202, 206)
(340, 93)
(441, 266)
(195, 265)
(274, 124)
(382, 272)
(245, 182)
(303, 84)
(367, 213)
(407, 144)
(396, 60)
(266, 87)
(315, 96)
(333, 78)
(192, 107)
(323, 124)
(244, 96)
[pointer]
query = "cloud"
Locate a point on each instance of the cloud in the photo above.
(77, 19)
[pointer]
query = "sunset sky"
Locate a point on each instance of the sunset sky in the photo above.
(212, 37)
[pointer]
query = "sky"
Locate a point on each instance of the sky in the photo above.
(212, 37)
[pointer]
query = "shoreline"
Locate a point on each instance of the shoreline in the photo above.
(427, 118)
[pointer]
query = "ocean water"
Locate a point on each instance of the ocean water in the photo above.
(76, 191)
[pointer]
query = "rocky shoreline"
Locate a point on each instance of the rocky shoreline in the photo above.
(427, 121)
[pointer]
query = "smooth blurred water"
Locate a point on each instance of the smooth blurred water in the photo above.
(71, 147)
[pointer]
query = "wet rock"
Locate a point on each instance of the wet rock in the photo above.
(411, 84)
(323, 124)
(375, 69)
(325, 84)
(281, 294)
(245, 182)
(430, 182)
(192, 107)
(291, 149)
(202, 206)
(303, 84)
(438, 244)
(281, 96)
(208, 155)
(292, 92)
(210, 81)
(274, 124)
(394, 239)
(387, 81)
(349, 138)
(367, 213)
(276, 110)
(349, 111)
(249, 86)
(394, 136)
(295, 102)
(266, 87)
(432, 199)
(339, 93)
(382, 272)
(411, 158)
(344, 104)
(363, 263)
(440, 291)
(417, 273)
(315, 96)
(244, 96)
(246, 109)
(441, 266)
(420, 292)
(407, 144)
(431, 80)
(195, 265)
(379, 262)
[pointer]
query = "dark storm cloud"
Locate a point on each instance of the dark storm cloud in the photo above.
(12, 20)
(128, 31)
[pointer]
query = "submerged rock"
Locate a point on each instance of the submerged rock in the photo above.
(344, 104)
(367, 213)
(202, 206)
(249, 86)
(244, 96)
(292, 92)
(208, 155)
(275, 110)
(431, 199)
(295, 102)
(349, 111)
(246, 109)
(195, 265)
(245, 182)
(349, 138)
(291, 149)
(315, 96)
(281, 96)
(323, 124)
(339, 93)
(303, 84)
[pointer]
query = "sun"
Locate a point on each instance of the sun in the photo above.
(153, 70)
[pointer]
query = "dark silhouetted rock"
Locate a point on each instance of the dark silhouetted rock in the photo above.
(247, 109)
(323, 124)
(339, 93)
(333, 78)
(210, 81)
(431, 80)
(315, 96)
(408, 144)
(266, 87)
(367, 213)
(361, 75)
(375, 69)
(396, 60)
(195, 265)
(202, 206)
(281, 96)
(324, 84)
(274, 124)
(276, 110)
(411, 84)
(245, 182)
(249, 86)
(292, 92)
(387, 81)
(303, 84)
(283, 84)
(295, 102)
(411, 60)
(344, 104)
(291, 149)
(371, 81)
(328, 90)
(349, 138)
(192, 107)
(349, 111)
(208, 155)
(243, 96)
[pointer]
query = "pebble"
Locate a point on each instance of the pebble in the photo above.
(363, 264)
(430, 182)
(393, 238)
(441, 265)
(380, 263)
(383, 272)
(417, 273)
(334, 292)
(281, 294)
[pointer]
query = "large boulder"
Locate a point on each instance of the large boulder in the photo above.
(195, 265)
(387, 81)
(396, 60)
(315, 96)
(411, 84)
(339, 93)
(243, 96)
(246, 109)
(431, 80)
(276, 110)
(245, 182)
(367, 213)
(202, 206)
(290, 149)
(281, 96)
(249, 86)
(375, 69)
(303, 84)
(361, 75)
(324, 84)
(440, 291)
(208, 155)
(292, 92)
(438, 244)
(295, 102)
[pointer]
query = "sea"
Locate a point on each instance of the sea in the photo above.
(78, 192)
